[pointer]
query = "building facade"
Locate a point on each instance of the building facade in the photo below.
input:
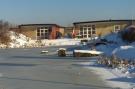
(99, 28)
(40, 31)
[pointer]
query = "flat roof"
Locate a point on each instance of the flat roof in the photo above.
(100, 21)
(38, 25)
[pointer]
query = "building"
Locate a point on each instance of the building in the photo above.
(68, 31)
(99, 28)
(41, 31)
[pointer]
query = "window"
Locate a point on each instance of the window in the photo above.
(46, 31)
(38, 30)
(117, 28)
(38, 34)
(93, 31)
(42, 33)
(84, 36)
(81, 32)
(89, 35)
(87, 30)
(93, 27)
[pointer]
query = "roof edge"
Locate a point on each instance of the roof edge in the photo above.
(38, 24)
(99, 21)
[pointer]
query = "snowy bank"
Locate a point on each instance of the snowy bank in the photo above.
(18, 40)
(112, 77)
(21, 41)
(125, 52)
(116, 46)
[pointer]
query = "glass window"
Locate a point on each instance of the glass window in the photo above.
(85, 36)
(116, 28)
(89, 25)
(46, 34)
(46, 31)
(85, 32)
(93, 27)
(89, 32)
(81, 32)
(89, 29)
(38, 30)
(81, 27)
(38, 34)
(42, 32)
(84, 28)
(93, 32)
(89, 35)
(46, 28)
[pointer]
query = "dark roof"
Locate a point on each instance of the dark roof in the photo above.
(39, 25)
(100, 21)
(68, 27)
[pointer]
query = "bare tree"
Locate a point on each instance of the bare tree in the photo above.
(4, 26)
(4, 36)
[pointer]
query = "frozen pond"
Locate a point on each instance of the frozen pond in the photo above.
(28, 69)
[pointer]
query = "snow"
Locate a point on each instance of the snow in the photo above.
(88, 51)
(114, 78)
(18, 40)
(117, 47)
(2, 46)
(62, 42)
(21, 41)
(61, 49)
(125, 52)
(115, 38)
(44, 51)
(124, 76)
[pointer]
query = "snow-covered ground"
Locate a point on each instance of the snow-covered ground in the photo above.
(125, 52)
(123, 77)
(20, 40)
(114, 78)
(117, 47)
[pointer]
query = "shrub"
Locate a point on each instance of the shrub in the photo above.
(77, 54)
(4, 35)
(5, 38)
(128, 34)
(84, 41)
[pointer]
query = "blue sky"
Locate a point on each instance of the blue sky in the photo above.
(64, 12)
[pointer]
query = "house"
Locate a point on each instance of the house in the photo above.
(99, 28)
(41, 31)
